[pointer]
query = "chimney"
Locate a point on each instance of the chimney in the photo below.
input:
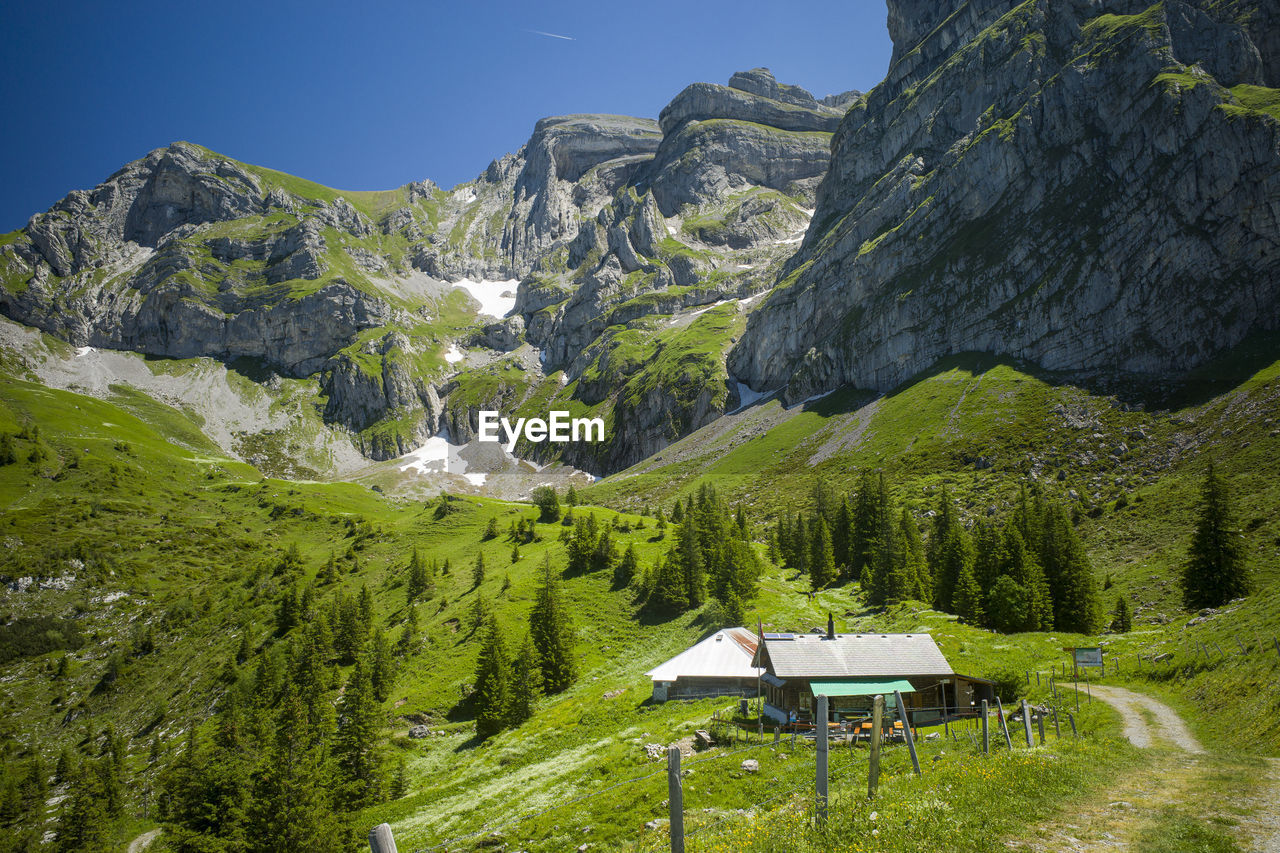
(831, 627)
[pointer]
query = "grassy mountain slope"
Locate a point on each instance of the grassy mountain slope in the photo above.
(129, 497)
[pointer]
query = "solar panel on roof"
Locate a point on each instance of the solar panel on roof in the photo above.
(779, 636)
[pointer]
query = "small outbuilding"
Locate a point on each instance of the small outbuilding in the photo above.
(720, 665)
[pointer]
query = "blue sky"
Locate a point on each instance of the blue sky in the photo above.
(373, 95)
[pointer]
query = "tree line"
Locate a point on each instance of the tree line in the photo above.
(1025, 572)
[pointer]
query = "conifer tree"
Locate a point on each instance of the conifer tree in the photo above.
(1007, 605)
(1073, 586)
(492, 694)
(356, 742)
(1122, 616)
(526, 681)
(477, 571)
(627, 569)
(552, 634)
(409, 634)
(382, 667)
(915, 569)
(688, 557)
(668, 593)
(291, 804)
(968, 597)
(1215, 571)
(822, 566)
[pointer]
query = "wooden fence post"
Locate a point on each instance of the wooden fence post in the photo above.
(381, 840)
(1277, 644)
(1028, 678)
(986, 732)
(873, 769)
(1241, 645)
(820, 718)
(1072, 720)
(1004, 725)
(1026, 721)
(675, 802)
(906, 730)
(1057, 730)
(1040, 726)
(777, 735)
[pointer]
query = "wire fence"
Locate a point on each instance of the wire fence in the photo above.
(846, 764)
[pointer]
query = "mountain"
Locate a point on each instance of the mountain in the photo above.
(609, 221)
(1035, 263)
(1088, 186)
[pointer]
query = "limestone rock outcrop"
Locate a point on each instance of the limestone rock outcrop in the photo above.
(1089, 186)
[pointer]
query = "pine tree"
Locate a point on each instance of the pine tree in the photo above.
(822, 566)
(477, 571)
(291, 804)
(382, 668)
(571, 496)
(356, 742)
(968, 597)
(627, 569)
(515, 553)
(7, 455)
(479, 612)
(492, 694)
(1007, 605)
(548, 504)
(1122, 617)
(1077, 605)
(526, 682)
(409, 635)
(490, 530)
(668, 594)
(552, 634)
(915, 569)
(400, 781)
(86, 823)
(416, 585)
(1215, 571)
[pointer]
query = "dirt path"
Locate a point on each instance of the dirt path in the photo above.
(1118, 818)
(1134, 709)
(143, 841)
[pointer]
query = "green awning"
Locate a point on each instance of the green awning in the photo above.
(858, 686)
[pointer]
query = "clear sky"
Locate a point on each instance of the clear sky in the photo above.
(373, 95)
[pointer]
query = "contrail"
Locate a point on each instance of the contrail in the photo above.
(550, 35)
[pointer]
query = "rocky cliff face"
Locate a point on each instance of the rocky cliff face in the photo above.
(1086, 185)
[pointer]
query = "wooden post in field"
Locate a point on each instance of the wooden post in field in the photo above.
(777, 735)
(1040, 726)
(1028, 678)
(381, 840)
(1037, 678)
(1026, 721)
(1004, 725)
(1057, 730)
(906, 730)
(986, 731)
(1221, 653)
(675, 802)
(1072, 720)
(873, 770)
(1241, 645)
(821, 719)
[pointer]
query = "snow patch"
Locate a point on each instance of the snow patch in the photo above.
(476, 479)
(453, 355)
(430, 457)
(751, 299)
(496, 298)
(816, 397)
(748, 397)
(83, 351)
(470, 196)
